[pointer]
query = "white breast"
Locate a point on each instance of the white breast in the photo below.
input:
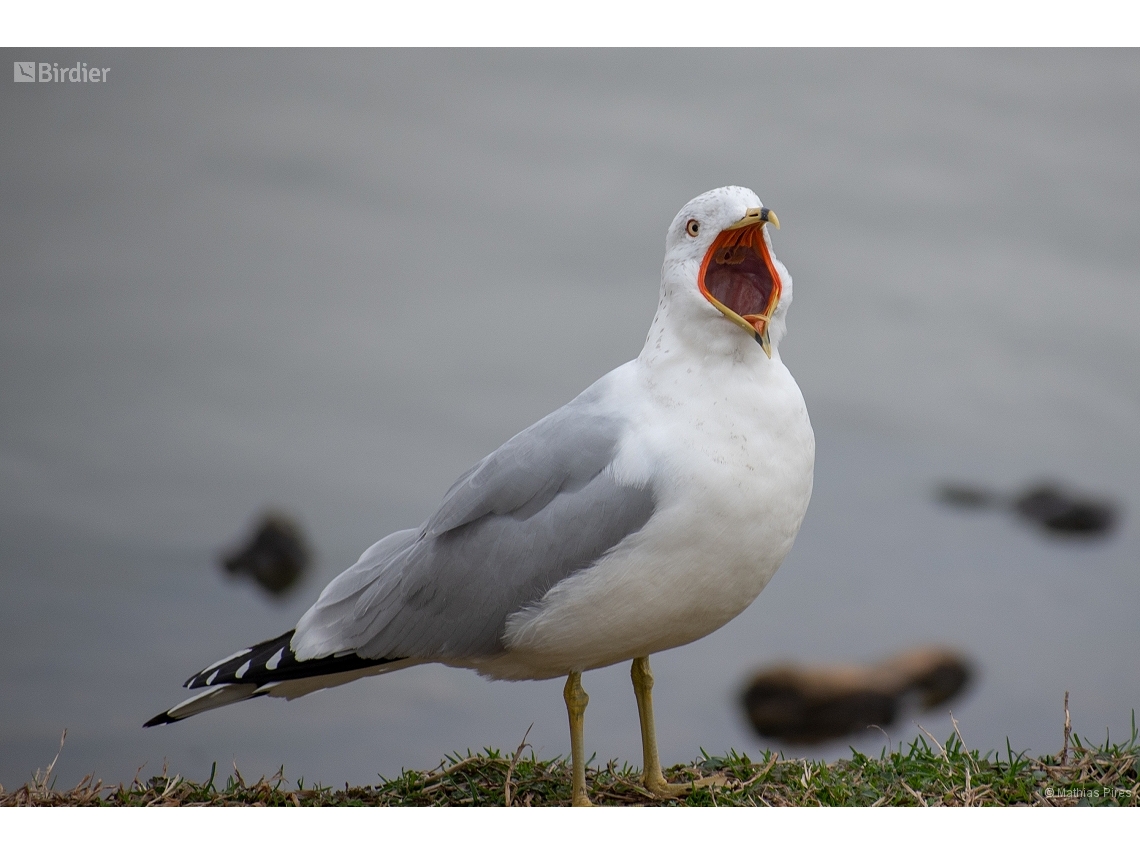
(729, 452)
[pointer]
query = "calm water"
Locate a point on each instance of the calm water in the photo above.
(331, 281)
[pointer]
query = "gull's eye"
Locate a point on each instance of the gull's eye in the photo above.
(693, 228)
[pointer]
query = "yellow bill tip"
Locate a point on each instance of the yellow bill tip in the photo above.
(754, 216)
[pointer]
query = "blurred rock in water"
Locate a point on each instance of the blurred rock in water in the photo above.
(275, 554)
(806, 706)
(1061, 511)
(1056, 509)
(965, 496)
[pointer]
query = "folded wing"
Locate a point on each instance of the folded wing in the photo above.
(544, 506)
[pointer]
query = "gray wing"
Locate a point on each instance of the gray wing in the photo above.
(542, 507)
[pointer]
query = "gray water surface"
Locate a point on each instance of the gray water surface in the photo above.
(332, 280)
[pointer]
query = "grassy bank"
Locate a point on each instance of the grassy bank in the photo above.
(925, 773)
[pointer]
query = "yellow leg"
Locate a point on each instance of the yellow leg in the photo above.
(651, 777)
(576, 700)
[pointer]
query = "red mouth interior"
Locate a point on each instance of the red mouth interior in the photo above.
(738, 273)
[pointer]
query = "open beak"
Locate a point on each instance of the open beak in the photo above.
(739, 277)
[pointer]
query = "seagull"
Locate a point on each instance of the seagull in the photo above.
(641, 516)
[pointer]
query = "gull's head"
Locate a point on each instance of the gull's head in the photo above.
(719, 264)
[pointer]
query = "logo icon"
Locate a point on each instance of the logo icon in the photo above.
(24, 72)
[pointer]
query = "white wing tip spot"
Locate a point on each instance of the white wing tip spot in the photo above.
(229, 658)
(240, 672)
(210, 680)
(274, 660)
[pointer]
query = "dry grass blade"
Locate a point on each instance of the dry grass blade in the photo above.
(511, 767)
(764, 771)
(913, 793)
(41, 781)
(1068, 732)
(930, 736)
(434, 780)
(966, 758)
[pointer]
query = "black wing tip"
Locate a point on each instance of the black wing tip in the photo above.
(274, 661)
(198, 680)
(161, 718)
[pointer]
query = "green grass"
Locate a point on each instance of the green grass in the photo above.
(924, 773)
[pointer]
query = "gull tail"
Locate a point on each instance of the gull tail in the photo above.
(271, 668)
